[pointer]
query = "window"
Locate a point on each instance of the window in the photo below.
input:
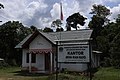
(27, 58)
(33, 58)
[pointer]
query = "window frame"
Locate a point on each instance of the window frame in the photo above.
(33, 58)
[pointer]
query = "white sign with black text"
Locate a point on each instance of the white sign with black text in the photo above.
(73, 53)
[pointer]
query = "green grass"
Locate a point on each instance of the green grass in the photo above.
(107, 74)
(14, 73)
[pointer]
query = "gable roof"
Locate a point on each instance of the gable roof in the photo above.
(53, 36)
(73, 35)
(23, 41)
(29, 39)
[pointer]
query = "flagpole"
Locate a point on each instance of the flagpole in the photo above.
(61, 18)
(61, 13)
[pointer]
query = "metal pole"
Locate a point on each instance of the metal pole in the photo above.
(51, 62)
(87, 71)
(56, 60)
(90, 67)
(90, 72)
(30, 62)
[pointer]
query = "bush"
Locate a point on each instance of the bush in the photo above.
(106, 62)
(3, 64)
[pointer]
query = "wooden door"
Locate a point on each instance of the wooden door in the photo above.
(47, 61)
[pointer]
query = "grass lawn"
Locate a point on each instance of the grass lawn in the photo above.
(107, 74)
(14, 73)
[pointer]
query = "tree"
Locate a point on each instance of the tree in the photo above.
(99, 18)
(11, 33)
(108, 42)
(75, 19)
(33, 28)
(57, 23)
(115, 51)
(1, 6)
(59, 29)
(100, 10)
(47, 29)
(96, 24)
(114, 44)
(118, 19)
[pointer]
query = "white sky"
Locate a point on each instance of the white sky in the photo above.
(41, 13)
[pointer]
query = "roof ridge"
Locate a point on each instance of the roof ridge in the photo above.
(67, 31)
(64, 35)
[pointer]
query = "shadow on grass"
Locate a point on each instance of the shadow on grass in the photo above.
(94, 70)
(25, 73)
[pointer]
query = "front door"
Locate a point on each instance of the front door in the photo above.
(47, 61)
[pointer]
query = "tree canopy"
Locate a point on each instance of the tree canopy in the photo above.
(33, 28)
(47, 29)
(57, 23)
(108, 43)
(11, 33)
(99, 18)
(1, 6)
(100, 10)
(75, 19)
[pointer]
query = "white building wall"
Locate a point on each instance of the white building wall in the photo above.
(40, 43)
(73, 67)
(24, 64)
(39, 60)
(95, 60)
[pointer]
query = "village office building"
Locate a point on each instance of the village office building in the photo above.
(39, 51)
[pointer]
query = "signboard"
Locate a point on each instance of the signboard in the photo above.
(73, 53)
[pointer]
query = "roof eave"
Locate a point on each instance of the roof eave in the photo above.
(89, 39)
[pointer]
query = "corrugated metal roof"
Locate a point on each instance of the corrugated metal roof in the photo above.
(1, 59)
(63, 36)
(70, 35)
(97, 52)
(49, 37)
(23, 41)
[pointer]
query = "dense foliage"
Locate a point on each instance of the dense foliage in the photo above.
(99, 18)
(109, 43)
(57, 24)
(1, 6)
(106, 35)
(74, 20)
(11, 33)
(47, 29)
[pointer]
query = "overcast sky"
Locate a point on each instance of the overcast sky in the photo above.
(41, 13)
